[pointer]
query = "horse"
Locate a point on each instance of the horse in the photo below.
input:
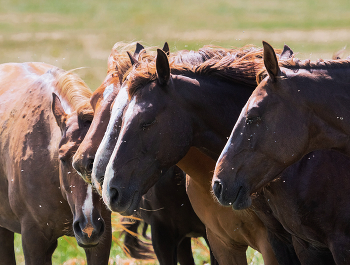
(311, 96)
(167, 117)
(44, 116)
(293, 189)
(172, 223)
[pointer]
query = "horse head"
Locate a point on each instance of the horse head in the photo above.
(268, 136)
(101, 102)
(85, 204)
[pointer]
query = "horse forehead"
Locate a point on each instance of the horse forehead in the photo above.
(108, 90)
(132, 110)
(258, 95)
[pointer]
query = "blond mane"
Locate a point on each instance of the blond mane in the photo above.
(234, 65)
(74, 91)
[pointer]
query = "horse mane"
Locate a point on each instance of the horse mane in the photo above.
(71, 88)
(296, 64)
(233, 65)
(118, 61)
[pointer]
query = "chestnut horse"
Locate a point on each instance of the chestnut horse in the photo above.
(310, 198)
(169, 114)
(172, 219)
(42, 197)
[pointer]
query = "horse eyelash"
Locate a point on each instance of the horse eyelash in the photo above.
(145, 125)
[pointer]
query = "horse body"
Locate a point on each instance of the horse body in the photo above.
(160, 125)
(309, 198)
(35, 200)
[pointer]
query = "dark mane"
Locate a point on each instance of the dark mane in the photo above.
(233, 65)
(296, 64)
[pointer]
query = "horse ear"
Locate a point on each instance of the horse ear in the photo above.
(138, 49)
(286, 53)
(162, 67)
(166, 48)
(58, 111)
(270, 61)
(132, 58)
(338, 55)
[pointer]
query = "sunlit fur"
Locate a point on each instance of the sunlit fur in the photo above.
(74, 90)
(237, 65)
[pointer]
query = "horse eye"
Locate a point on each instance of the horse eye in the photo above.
(144, 126)
(251, 120)
(63, 160)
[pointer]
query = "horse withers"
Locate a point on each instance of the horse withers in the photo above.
(42, 196)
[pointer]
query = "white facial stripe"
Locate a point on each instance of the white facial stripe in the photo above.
(108, 90)
(117, 111)
(88, 204)
(130, 112)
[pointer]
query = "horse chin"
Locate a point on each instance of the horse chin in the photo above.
(243, 200)
(90, 245)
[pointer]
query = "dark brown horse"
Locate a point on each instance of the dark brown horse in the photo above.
(167, 115)
(297, 108)
(42, 197)
(310, 198)
(166, 206)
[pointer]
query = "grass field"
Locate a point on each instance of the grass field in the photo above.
(75, 33)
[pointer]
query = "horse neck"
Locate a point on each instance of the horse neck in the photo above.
(328, 99)
(215, 106)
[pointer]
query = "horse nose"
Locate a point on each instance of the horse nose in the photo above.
(88, 232)
(217, 189)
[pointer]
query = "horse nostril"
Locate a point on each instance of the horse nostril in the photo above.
(217, 188)
(90, 164)
(77, 228)
(114, 195)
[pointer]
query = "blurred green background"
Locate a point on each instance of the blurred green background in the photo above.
(80, 33)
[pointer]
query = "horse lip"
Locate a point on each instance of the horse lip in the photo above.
(239, 190)
(240, 199)
(87, 245)
(133, 205)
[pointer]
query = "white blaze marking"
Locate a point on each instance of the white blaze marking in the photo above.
(127, 116)
(117, 111)
(108, 90)
(88, 204)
